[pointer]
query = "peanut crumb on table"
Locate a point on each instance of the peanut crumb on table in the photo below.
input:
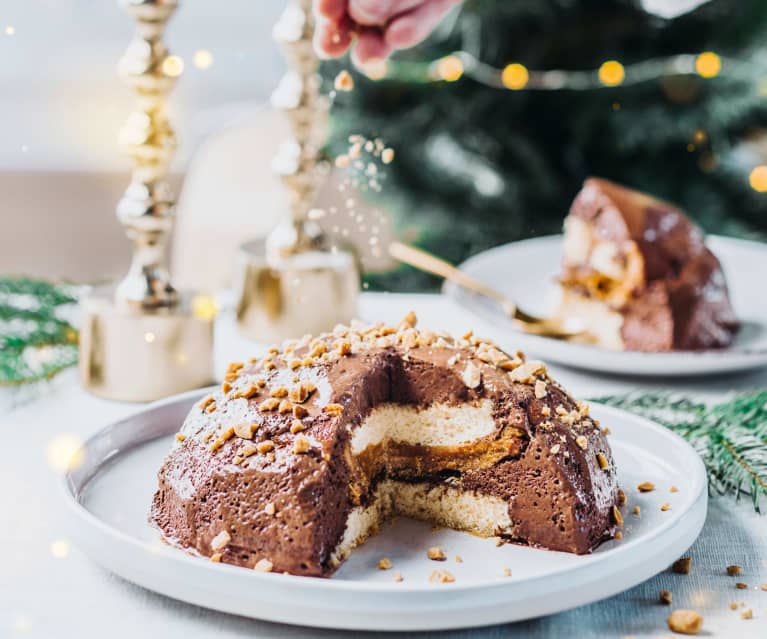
(686, 622)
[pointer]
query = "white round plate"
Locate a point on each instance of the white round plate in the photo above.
(526, 271)
(109, 494)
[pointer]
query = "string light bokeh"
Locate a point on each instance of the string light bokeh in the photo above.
(611, 74)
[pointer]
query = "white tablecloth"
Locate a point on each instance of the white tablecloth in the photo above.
(49, 590)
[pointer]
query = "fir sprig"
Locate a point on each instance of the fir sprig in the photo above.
(730, 437)
(36, 340)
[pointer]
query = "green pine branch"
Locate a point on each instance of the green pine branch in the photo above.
(730, 437)
(36, 340)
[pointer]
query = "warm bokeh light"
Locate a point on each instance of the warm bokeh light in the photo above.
(515, 76)
(64, 452)
(708, 64)
(700, 136)
(10, 30)
(203, 59)
(173, 66)
(60, 548)
(611, 73)
(149, 337)
(450, 68)
(758, 179)
(204, 307)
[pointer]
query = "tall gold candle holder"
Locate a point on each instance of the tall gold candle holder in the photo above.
(145, 340)
(294, 282)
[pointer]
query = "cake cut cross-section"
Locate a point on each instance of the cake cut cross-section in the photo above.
(636, 271)
(302, 454)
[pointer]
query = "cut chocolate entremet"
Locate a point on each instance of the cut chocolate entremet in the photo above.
(368, 422)
(637, 272)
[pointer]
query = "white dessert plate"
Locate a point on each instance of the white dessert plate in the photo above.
(525, 271)
(109, 493)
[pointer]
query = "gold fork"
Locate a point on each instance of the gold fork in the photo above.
(546, 327)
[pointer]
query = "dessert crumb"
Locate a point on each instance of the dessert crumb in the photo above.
(646, 487)
(344, 81)
(741, 586)
(637, 511)
(458, 559)
(384, 563)
(673, 489)
(682, 566)
(665, 507)
(686, 622)
(747, 614)
(507, 572)
(734, 570)
(435, 553)
(441, 577)
(665, 597)
(398, 576)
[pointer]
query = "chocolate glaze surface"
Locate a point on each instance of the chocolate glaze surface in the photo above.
(291, 508)
(682, 301)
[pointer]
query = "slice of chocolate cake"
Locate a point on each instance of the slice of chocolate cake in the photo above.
(637, 272)
(302, 454)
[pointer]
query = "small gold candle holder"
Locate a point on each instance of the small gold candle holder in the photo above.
(144, 340)
(294, 282)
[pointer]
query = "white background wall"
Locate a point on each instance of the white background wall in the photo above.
(61, 102)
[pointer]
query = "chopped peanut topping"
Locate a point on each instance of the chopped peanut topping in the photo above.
(397, 576)
(216, 557)
(270, 509)
(280, 391)
(301, 445)
(540, 389)
(226, 387)
(210, 407)
(284, 407)
(582, 442)
(646, 487)
(263, 565)
(301, 392)
(265, 446)
(621, 497)
(297, 426)
(603, 463)
(436, 554)
(384, 563)
(269, 404)
(299, 411)
(334, 409)
(734, 570)
(245, 430)
(472, 376)
(207, 401)
(665, 507)
(617, 517)
(221, 540)
(525, 373)
(180, 437)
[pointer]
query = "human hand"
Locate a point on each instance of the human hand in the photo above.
(380, 26)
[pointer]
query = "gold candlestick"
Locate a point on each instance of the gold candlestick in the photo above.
(294, 282)
(143, 340)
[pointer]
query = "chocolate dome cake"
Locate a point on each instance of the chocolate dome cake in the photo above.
(302, 454)
(638, 273)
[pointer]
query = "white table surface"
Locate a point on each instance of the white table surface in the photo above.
(42, 596)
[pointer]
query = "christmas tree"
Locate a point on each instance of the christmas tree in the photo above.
(489, 149)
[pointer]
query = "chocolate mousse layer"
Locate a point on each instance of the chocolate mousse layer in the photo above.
(272, 469)
(644, 260)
